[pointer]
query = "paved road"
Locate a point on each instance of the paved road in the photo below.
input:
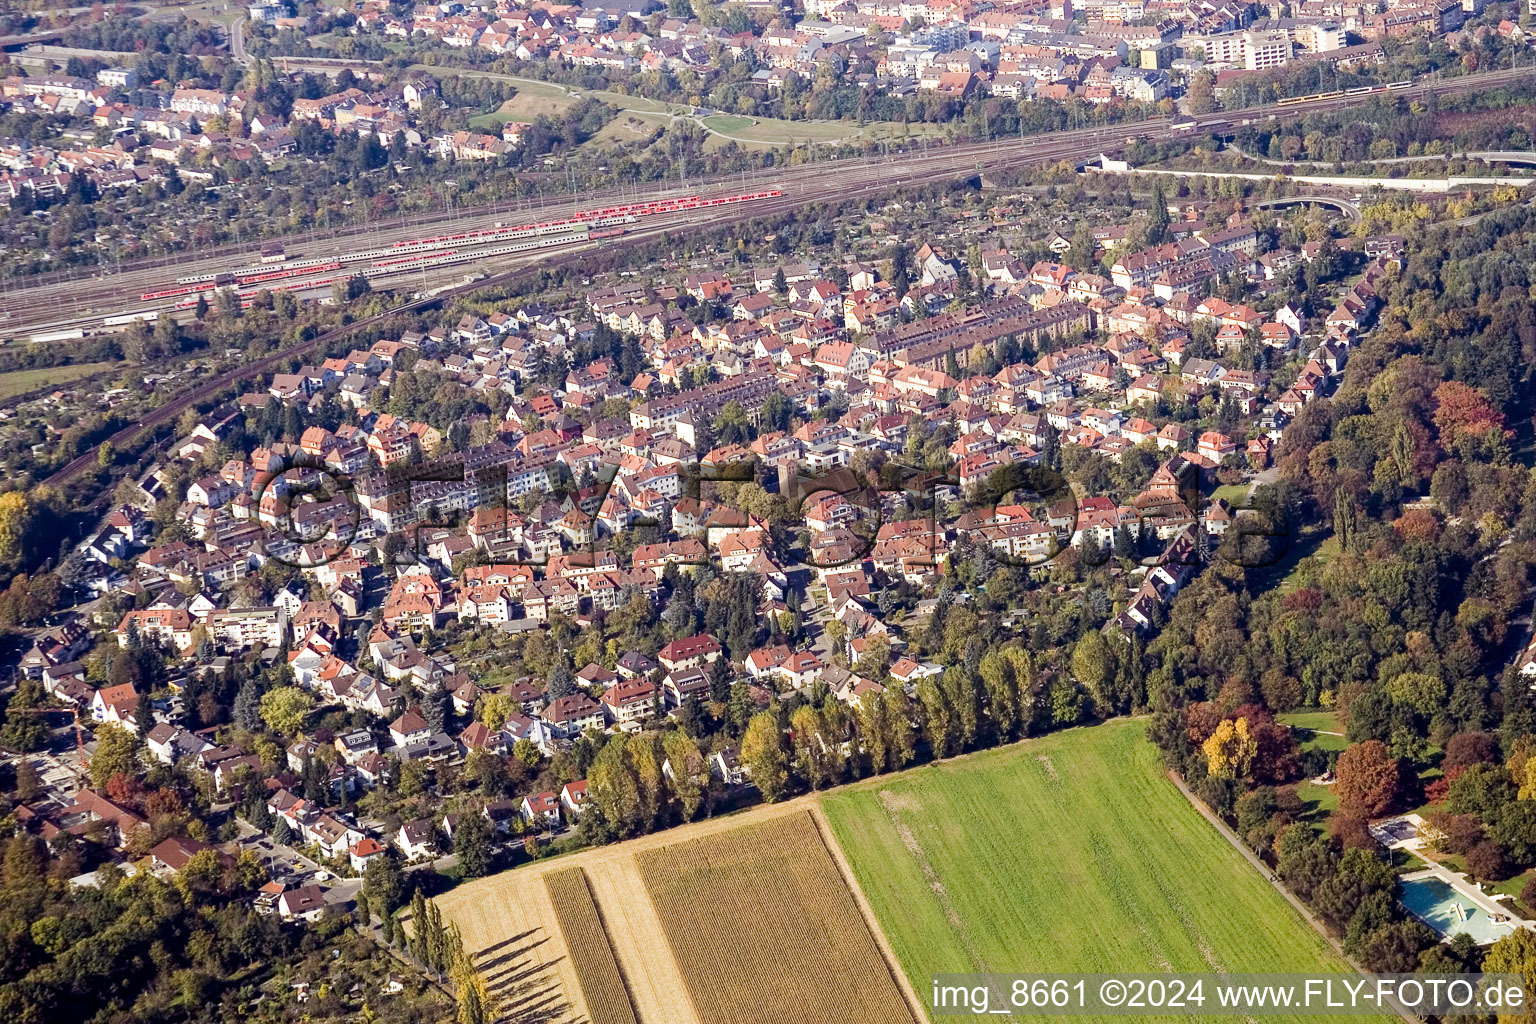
(1351, 210)
(277, 857)
(1268, 476)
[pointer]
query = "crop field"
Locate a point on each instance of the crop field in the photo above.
(516, 942)
(765, 930)
(602, 986)
(1068, 853)
(529, 919)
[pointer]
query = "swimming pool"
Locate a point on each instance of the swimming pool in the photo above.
(1436, 903)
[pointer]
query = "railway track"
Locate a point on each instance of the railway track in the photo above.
(868, 180)
(38, 307)
(832, 181)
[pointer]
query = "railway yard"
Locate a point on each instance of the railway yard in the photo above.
(484, 241)
(450, 264)
(426, 255)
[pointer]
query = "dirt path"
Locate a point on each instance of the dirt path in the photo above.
(645, 959)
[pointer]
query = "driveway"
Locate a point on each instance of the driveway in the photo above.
(279, 859)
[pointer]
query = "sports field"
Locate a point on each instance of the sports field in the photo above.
(1068, 853)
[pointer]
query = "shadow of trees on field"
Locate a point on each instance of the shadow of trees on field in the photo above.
(525, 989)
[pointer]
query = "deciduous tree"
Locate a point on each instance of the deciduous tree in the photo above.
(285, 708)
(690, 772)
(1369, 779)
(1229, 751)
(117, 753)
(763, 756)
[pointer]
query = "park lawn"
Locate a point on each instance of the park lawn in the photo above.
(1234, 494)
(19, 382)
(1312, 721)
(493, 121)
(627, 128)
(531, 101)
(729, 123)
(1318, 802)
(770, 131)
(1514, 884)
(1323, 741)
(1316, 729)
(1305, 553)
(1071, 853)
(635, 104)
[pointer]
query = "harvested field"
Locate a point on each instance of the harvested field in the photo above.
(515, 941)
(769, 893)
(656, 984)
(602, 986)
(806, 922)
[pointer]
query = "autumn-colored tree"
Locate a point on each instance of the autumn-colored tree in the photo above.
(1276, 754)
(284, 709)
(763, 756)
(1515, 953)
(1201, 94)
(1521, 751)
(874, 730)
(16, 516)
(493, 710)
(1200, 720)
(1002, 689)
(476, 1003)
(117, 753)
(645, 762)
(1229, 751)
(1351, 831)
(1485, 862)
(938, 719)
(690, 771)
(875, 658)
(901, 735)
(1369, 779)
(1418, 524)
(126, 791)
(1466, 749)
(808, 734)
(1464, 413)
